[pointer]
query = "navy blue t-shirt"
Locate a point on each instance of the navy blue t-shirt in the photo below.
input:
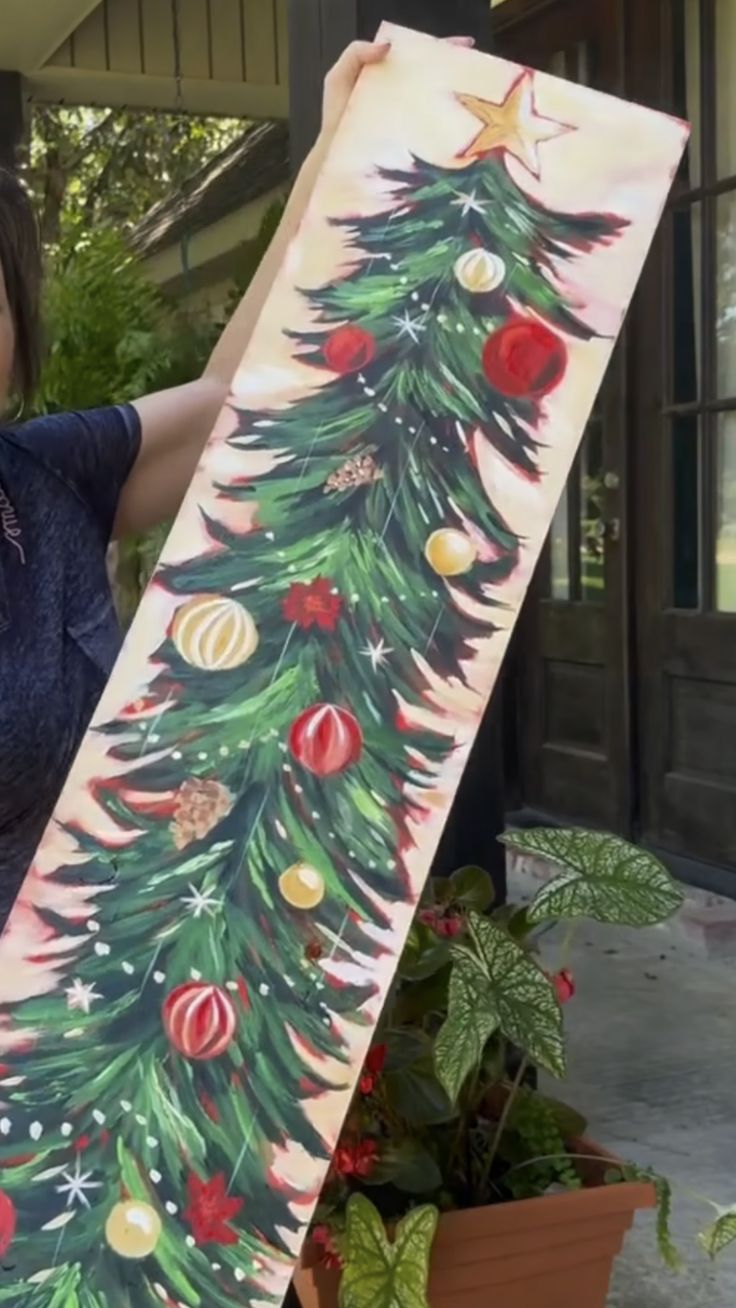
(60, 483)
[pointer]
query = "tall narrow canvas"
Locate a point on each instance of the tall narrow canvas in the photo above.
(193, 971)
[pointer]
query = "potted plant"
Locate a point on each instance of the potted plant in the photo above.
(457, 1183)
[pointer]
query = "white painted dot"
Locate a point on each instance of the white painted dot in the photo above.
(68, 1035)
(403, 281)
(216, 1267)
(331, 835)
(155, 1176)
(372, 863)
(231, 985)
(281, 554)
(202, 756)
(399, 422)
(315, 816)
(93, 925)
(433, 440)
(5, 1125)
(35, 1130)
(194, 974)
(239, 1274)
(244, 744)
(66, 1129)
(128, 968)
(412, 431)
(224, 751)
(126, 1105)
(291, 567)
(159, 978)
(140, 1119)
(99, 1117)
(383, 408)
(460, 328)
(415, 295)
(270, 535)
(189, 1242)
(327, 1021)
(402, 598)
(177, 755)
(354, 599)
(152, 1142)
(370, 393)
(290, 983)
(101, 949)
(391, 864)
(171, 1208)
(298, 790)
(263, 989)
(154, 739)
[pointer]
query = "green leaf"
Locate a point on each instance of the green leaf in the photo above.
(518, 995)
(471, 1018)
(415, 1094)
(379, 1274)
(424, 953)
(471, 887)
(668, 1251)
(720, 1235)
(408, 1166)
(602, 877)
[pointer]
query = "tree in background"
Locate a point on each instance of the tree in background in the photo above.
(275, 763)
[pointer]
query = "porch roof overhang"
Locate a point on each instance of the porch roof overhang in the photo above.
(232, 61)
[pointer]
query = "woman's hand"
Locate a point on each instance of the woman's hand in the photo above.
(341, 79)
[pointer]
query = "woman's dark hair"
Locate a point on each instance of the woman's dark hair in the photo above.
(20, 257)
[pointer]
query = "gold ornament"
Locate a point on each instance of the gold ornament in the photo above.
(214, 633)
(513, 126)
(133, 1229)
(355, 472)
(302, 886)
(450, 552)
(479, 271)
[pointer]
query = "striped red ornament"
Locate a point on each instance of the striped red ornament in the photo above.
(199, 1019)
(326, 739)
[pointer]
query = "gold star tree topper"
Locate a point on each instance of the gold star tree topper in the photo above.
(513, 126)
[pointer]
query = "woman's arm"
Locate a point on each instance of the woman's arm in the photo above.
(176, 423)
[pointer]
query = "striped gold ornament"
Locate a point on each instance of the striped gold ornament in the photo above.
(479, 271)
(214, 633)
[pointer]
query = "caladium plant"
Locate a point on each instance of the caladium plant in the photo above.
(448, 1115)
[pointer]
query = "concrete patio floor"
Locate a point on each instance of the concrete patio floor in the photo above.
(652, 1040)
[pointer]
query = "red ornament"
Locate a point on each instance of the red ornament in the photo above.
(313, 604)
(348, 349)
(210, 1209)
(199, 1020)
(326, 739)
(7, 1222)
(524, 358)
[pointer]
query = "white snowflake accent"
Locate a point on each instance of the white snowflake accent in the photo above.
(202, 901)
(469, 203)
(77, 1185)
(408, 326)
(377, 653)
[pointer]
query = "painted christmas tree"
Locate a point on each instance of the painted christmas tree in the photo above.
(269, 780)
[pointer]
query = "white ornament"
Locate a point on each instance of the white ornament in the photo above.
(479, 271)
(214, 633)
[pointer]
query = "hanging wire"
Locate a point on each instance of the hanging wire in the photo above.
(179, 108)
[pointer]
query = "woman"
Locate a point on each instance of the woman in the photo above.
(68, 485)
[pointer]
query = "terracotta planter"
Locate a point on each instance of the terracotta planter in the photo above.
(552, 1252)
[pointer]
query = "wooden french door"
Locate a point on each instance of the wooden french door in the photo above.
(571, 672)
(686, 457)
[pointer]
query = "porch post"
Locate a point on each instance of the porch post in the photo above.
(318, 31)
(12, 118)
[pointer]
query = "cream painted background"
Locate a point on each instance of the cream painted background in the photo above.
(620, 159)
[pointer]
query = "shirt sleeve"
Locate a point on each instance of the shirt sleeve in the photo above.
(91, 452)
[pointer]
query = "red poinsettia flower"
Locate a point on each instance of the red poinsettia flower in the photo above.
(443, 924)
(329, 1256)
(210, 1209)
(356, 1160)
(372, 1069)
(564, 984)
(313, 604)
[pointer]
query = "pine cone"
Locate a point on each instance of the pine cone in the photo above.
(360, 471)
(198, 808)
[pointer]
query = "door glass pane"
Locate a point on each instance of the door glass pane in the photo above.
(726, 293)
(685, 442)
(725, 87)
(592, 515)
(686, 302)
(686, 81)
(559, 549)
(726, 514)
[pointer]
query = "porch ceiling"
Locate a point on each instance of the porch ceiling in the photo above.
(31, 33)
(233, 54)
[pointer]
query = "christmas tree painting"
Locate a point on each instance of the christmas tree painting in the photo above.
(270, 782)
